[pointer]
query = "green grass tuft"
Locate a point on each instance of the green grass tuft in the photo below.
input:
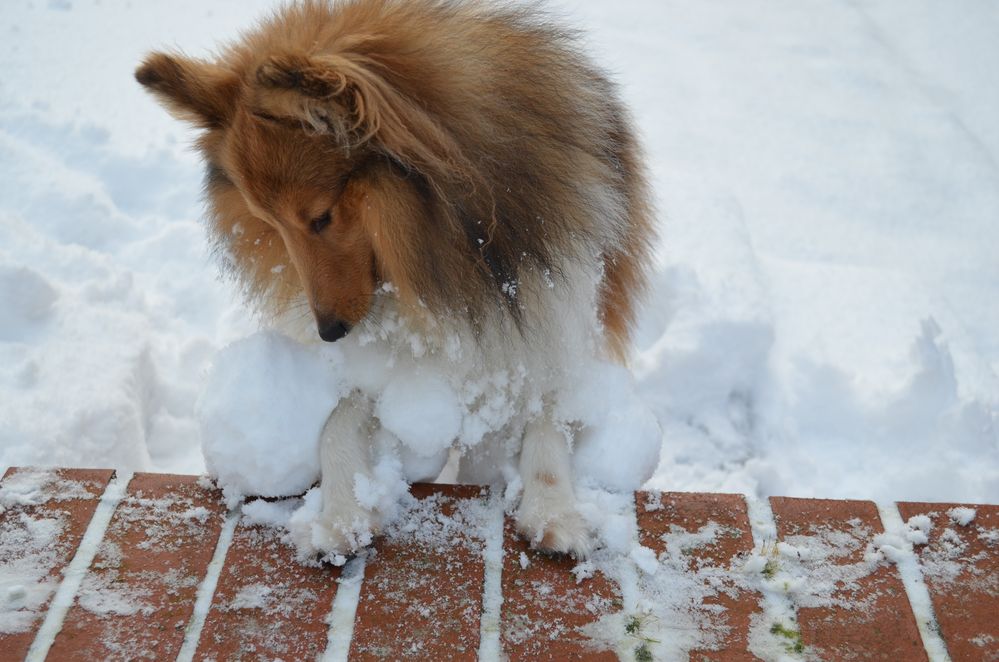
(642, 652)
(794, 644)
(633, 625)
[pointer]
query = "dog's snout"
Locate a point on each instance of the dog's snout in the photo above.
(333, 330)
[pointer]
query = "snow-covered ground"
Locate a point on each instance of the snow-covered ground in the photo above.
(824, 317)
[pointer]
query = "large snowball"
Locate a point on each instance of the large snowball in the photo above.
(620, 440)
(422, 411)
(261, 413)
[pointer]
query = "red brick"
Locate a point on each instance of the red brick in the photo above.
(545, 610)
(266, 604)
(138, 595)
(880, 626)
(68, 499)
(657, 515)
(422, 598)
(961, 570)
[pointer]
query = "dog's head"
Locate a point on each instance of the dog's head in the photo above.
(316, 160)
(465, 156)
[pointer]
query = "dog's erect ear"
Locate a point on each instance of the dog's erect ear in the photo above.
(349, 97)
(194, 90)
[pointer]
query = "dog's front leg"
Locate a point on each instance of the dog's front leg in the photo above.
(547, 515)
(345, 452)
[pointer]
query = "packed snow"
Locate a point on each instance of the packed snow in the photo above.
(822, 317)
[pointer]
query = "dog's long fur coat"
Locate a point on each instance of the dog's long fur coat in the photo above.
(466, 153)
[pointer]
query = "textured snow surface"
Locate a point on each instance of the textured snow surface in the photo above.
(822, 317)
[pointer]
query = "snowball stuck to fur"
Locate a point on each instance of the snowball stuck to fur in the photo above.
(618, 445)
(422, 411)
(261, 412)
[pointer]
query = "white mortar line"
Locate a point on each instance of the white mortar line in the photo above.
(911, 573)
(629, 578)
(777, 607)
(206, 590)
(78, 566)
(492, 586)
(344, 609)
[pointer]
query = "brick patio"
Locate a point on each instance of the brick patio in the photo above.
(134, 555)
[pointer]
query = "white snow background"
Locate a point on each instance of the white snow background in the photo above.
(823, 320)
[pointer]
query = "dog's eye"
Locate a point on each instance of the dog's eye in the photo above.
(320, 223)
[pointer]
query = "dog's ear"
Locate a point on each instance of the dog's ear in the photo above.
(349, 97)
(194, 90)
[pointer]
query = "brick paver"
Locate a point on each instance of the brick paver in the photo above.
(422, 593)
(267, 605)
(870, 618)
(660, 514)
(138, 596)
(961, 569)
(545, 609)
(421, 596)
(43, 516)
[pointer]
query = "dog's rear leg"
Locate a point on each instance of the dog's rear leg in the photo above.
(547, 515)
(345, 451)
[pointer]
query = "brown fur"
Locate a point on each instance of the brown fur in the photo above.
(459, 147)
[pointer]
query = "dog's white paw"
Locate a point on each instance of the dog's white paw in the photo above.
(340, 538)
(561, 531)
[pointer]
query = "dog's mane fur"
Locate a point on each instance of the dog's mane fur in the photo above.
(521, 161)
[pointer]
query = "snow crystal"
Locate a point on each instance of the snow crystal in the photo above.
(946, 559)
(918, 529)
(582, 571)
(962, 516)
(645, 559)
(274, 514)
(252, 596)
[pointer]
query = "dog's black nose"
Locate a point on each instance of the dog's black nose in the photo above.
(333, 331)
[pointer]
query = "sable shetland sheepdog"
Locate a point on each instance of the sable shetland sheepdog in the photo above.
(460, 163)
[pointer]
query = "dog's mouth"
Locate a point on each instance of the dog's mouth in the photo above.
(333, 330)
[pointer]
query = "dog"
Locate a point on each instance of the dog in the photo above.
(460, 165)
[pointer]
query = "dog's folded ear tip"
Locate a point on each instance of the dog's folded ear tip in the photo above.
(150, 72)
(147, 75)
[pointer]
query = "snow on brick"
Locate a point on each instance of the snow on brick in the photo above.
(138, 595)
(422, 593)
(550, 611)
(850, 599)
(43, 516)
(266, 604)
(697, 603)
(960, 565)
